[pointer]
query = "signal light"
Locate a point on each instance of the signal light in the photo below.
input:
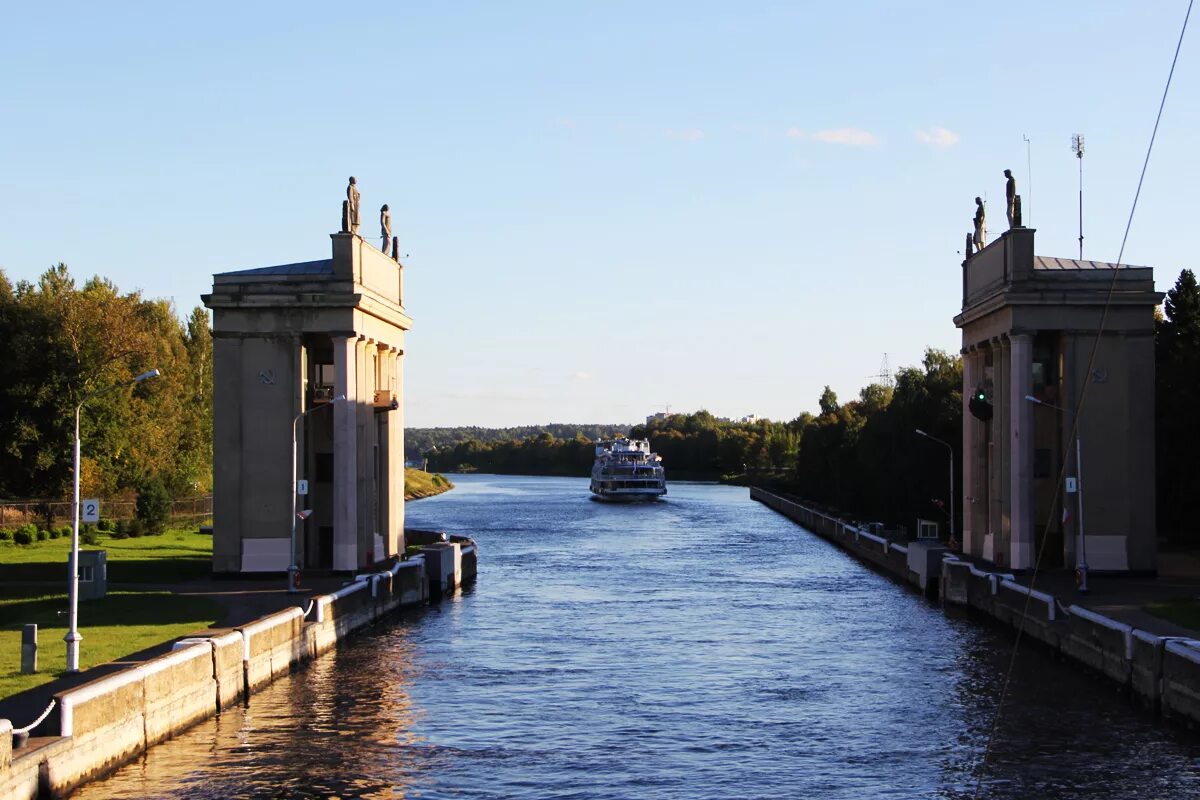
(980, 405)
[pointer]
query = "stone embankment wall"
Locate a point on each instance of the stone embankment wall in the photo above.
(110, 721)
(1160, 672)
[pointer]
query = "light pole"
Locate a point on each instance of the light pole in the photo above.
(73, 637)
(294, 568)
(1081, 567)
(951, 449)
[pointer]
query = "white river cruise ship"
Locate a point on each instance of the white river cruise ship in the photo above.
(626, 471)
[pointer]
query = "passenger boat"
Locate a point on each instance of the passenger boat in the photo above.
(625, 471)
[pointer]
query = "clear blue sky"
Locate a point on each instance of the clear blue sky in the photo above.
(607, 206)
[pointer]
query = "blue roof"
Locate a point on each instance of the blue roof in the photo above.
(323, 267)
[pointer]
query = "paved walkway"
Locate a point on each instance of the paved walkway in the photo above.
(1123, 598)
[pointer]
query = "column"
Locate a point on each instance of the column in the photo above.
(364, 422)
(972, 376)
(396, 429)
(1021, 442)
(345, 454)
(998, 496)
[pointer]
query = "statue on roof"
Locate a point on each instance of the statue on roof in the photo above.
(385, 229)
(980, 238)
(1010, 195)
(352, 201)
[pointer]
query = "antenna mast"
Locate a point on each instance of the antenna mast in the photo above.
(1028, 213)
(1077, 147)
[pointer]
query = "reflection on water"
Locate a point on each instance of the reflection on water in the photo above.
(700, 647)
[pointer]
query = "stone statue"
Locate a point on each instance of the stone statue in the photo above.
(1010, 193)
(352, 204)
(969, 250)
(385, 229)
(980, 238)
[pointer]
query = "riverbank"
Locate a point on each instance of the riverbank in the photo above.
(419, 484)
(97, 722)
(1158, 663)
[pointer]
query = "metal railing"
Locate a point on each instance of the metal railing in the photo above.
(14, 513)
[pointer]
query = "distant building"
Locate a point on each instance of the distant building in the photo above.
(659, 417)
(749, 419)
(289, 340)
(1029, 324)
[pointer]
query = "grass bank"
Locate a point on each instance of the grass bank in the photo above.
(112, 627)
(177, 555)
(418, 484)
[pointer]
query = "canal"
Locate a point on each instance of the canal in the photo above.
(699, 647)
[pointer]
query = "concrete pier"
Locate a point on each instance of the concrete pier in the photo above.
(1160, 672)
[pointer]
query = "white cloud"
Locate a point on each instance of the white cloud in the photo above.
(686, 135)
(938, 137)
(852, 137)
(794, 133)
(581, 376)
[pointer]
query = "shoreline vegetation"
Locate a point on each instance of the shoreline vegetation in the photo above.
(419, 484)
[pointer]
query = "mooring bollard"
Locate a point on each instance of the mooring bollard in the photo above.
(29, 649)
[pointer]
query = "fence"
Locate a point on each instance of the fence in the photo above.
(58, 512)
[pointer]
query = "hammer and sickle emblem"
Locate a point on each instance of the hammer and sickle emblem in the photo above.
(267, 376)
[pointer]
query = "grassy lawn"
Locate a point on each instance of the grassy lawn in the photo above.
(1183, 611)
(177, 555)
(115, 626)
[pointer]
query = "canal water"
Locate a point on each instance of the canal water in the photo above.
(702, 647)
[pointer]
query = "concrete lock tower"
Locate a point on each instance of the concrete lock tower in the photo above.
(289, 343)
(1029, 324)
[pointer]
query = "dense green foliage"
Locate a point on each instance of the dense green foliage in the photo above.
(865, 457)
(1177, 357)
(701, 446)
(153, 506)
(543, 454)
(419, 441)
(67, 344)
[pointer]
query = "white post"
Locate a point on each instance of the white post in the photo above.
(1081, 550)
(294, 566)
(73, 638)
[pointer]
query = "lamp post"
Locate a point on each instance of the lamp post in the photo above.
(951, 449)
(1081, 567)
(73, 637)
(294, 568)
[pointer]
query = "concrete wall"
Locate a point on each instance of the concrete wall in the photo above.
(108, 722)
(1160, 673)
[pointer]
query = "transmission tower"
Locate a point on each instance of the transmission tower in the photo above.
(885, 372)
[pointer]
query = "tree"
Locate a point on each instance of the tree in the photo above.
(1177, 365)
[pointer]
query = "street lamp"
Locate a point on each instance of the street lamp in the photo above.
(1081, 567)
(73, 637)
(294, 568)
(951, 449)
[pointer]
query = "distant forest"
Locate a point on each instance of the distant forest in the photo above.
(419, 441)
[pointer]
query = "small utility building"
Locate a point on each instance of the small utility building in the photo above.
(1029, 324)
(287, 341)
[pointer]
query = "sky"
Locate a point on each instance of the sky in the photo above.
(606, 207)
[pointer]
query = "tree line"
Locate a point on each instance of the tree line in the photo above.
(419, 441)
(67, 344)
